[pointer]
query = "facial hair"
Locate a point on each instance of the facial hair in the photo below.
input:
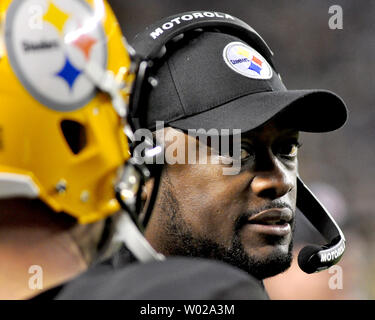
(183, 242)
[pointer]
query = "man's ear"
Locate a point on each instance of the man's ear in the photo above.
(146, 196)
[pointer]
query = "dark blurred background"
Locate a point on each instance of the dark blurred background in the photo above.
(338, 165)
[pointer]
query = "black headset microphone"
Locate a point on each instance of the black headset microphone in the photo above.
(315, 258)
(152, 45)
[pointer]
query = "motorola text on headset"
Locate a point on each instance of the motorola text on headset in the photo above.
(151, 47)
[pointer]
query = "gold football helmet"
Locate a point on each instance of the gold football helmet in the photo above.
(64, 84)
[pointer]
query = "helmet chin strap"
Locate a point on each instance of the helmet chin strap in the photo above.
(128, 190)
(128, 233)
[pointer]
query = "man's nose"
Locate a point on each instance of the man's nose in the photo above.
(273, 183)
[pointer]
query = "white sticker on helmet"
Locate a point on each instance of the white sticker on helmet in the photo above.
(246, 61)
(49, 44)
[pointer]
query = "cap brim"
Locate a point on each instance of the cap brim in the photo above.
(304, 110)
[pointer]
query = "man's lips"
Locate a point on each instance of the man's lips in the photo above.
(274, 221)
(272, 216)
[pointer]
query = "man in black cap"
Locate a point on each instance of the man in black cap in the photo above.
(138, 272)
(216, 81)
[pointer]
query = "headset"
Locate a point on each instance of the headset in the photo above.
(152, 45)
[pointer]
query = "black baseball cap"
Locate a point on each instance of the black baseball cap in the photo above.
(215, 80)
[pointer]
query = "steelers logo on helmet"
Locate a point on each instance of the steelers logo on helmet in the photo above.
(63, 36)
(246, 61)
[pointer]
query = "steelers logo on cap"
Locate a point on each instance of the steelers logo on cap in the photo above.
(246, 61)
(49, 43)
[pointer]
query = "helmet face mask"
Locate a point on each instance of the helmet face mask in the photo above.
(64, 83)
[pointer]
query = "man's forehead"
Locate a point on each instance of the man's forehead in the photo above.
(273, 128)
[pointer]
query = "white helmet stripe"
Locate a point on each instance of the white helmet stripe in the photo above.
(17, 185)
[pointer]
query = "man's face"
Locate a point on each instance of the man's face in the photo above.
(245, 219)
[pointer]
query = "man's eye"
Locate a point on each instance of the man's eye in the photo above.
(246, 153)
(289, 150)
